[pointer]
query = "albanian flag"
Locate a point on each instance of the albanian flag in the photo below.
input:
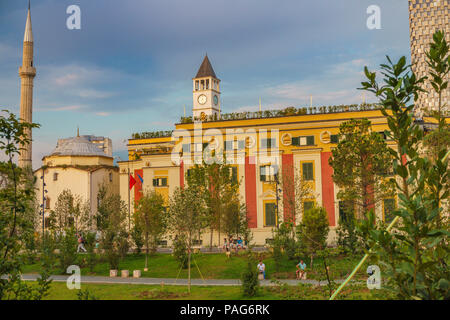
(132, 181)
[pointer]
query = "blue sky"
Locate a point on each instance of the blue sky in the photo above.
(129, 68)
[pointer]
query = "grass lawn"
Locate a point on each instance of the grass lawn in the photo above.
(218, 266)
(59, 291)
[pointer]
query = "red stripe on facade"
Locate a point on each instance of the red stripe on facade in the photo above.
(181, 174)
(287, 175)
(328, 187)
(250, 191)
(138, 185)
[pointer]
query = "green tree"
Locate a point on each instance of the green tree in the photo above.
(17, 200)
(416, 254)
(249, 278)
(360, 163)
(186, 218)
(151, 218)
(312, 232)
(111, 222)
(70, 212)
(218, 187)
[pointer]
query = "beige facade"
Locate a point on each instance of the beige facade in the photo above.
(426, 17)
(78, 165)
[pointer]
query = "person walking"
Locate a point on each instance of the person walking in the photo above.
(81, 244)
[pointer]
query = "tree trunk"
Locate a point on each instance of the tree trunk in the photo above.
(146, 250)
(189, 269)
(211, 239)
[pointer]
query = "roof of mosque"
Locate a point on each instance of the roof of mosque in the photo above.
(77, 146)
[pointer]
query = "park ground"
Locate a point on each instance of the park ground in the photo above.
(216, 266)
(59, 291)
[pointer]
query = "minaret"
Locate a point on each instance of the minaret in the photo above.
(27, 73)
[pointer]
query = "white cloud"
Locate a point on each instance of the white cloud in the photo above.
(63, 108)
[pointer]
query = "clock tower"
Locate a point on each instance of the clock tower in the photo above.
(206, 92)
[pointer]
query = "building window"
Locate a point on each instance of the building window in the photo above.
(270, 215)
(110, 177)
(55, 176)
(160, 182)
(334, 138)
(46, 222)
(303, 141)
(308, 205)
(268, 143)
(186, 148)
(234, 175)
(197, 242)
(388, 209)
(308, 171)
(345, 210)
(233, 145)
(267, 173)
(47, 203)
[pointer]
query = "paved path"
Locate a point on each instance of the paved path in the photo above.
(173, 281)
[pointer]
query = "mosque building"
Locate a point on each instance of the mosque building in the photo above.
(80, 164)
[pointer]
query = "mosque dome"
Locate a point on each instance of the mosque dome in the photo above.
(77, 146)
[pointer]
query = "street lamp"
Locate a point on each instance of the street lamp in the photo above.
(44, 191)
(128, 186)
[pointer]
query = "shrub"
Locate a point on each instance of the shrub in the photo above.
(90, 247)
(347, 238)
(312, 232)
(180, 251)
(67, 249)
(249, 278)
(138, 239)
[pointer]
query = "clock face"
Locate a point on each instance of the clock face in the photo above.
(202, 99)
(216, 100)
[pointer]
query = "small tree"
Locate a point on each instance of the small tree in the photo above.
(150, 216)
(218, 188)
(180, 252)
(249, 278)
(312, 232)
(360, 163)
(111, 215)
(187, 218)
(136, 235)
(67, 244)
(70, 212)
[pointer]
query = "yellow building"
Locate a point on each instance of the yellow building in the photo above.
(79, 164)
(257, 144)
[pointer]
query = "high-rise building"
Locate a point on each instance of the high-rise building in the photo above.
(27, 73)
(426, 17)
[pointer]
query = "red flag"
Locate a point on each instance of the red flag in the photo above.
(132, 181)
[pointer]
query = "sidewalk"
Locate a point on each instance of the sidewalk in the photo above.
(173, 281)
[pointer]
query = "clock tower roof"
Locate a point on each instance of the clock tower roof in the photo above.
(206, 69)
